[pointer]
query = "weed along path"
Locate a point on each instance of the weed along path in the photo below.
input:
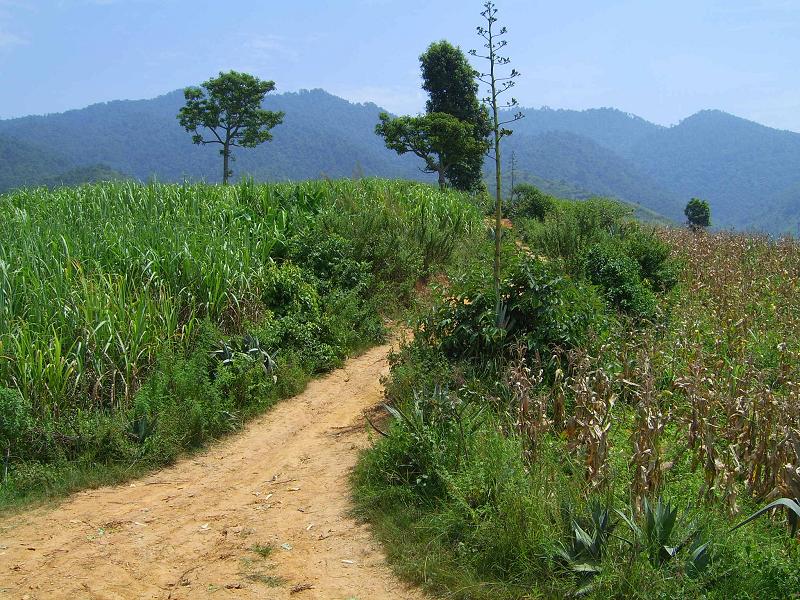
(263, 514)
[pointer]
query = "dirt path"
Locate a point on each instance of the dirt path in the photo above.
(189, 531)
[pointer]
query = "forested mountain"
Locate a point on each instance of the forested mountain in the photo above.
(742, 168)
(609, 127)
(749, 173)
(22, 163)
(321, 135)
(572, 158)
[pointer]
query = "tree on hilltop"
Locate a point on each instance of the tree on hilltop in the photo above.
(439, 139)
(698, 213)
(451, 136)
(229, 107)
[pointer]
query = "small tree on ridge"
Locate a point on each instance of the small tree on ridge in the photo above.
(229, 108)
(441, 140)
(698, 213)
(452, 88)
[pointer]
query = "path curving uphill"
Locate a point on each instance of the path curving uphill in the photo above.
(263, 514)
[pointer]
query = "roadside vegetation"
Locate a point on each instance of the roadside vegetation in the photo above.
(600, 425)
(140, 321)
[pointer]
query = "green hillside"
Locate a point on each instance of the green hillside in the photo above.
(22, 163)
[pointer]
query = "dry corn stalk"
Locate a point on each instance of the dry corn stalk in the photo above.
(529, 401)
(589, 426)
(647, 431)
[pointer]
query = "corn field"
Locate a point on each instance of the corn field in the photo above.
(713, 389)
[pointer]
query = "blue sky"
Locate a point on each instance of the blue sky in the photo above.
(662, 60)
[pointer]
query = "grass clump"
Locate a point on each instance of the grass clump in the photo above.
(263, 550)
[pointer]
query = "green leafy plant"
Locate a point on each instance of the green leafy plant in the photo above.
(792, 506)
(587, 543)
(619, 276)
(653, 255)
(529, 202)
(537, 306)
(658, 536)
(250, 347)
(15, 424)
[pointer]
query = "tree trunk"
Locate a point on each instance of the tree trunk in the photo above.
(442, 181)
(226, 155)
(6, 460)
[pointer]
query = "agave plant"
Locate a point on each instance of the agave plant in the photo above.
(792, 506)
(587, 543)
(251, 347)
(658, 536)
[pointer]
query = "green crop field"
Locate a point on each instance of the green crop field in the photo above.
(596, 426)
(139, 320)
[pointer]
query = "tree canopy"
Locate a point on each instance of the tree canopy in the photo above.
(229, 108)
(698, 213)
(452, 88)
(441, 140)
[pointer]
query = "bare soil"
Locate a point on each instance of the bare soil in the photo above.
(263, 514)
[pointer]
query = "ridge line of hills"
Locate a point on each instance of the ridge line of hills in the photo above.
(749, 173)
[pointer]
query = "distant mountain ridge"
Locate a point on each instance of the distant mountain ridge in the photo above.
(748, 172)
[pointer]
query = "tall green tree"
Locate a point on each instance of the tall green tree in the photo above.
(439, 139)
(228, 109)
(452, 88)
(497, 84)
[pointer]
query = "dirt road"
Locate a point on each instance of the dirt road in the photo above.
(263, 514)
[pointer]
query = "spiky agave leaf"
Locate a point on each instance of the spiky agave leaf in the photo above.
(792, 508)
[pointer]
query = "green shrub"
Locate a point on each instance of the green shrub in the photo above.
(537, 305)
(618, 275)
(290, 288)
(332, 259)
(15, 419)
(529, 202)
(653, 256)
(567, 232)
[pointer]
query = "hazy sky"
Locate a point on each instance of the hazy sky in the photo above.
(662, 60)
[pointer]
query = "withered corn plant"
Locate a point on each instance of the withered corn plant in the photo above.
(648, 429)
(588, 428)
(530, 401)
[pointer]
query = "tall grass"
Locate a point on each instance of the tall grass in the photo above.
(96, 281)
